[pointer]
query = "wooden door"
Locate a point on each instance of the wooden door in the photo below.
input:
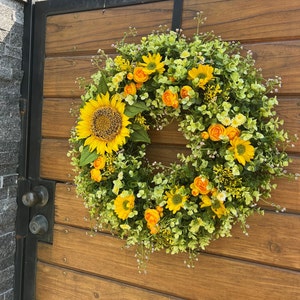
(263, 265)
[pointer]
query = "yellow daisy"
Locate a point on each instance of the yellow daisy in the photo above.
(152, 63)
(103, 124)
(203, 74)
(176, 199)
(243, 150)
(124, 204)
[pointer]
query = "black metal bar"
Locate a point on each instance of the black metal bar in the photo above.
(177, 14)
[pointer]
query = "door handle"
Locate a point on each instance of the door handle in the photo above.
(37, 197)
(38, 225)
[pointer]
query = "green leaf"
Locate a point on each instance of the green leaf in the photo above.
(102, 87)
(87, 156)
(139, 134)
(135, 108)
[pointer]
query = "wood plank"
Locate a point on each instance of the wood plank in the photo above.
(234, 20)
(54, 163)
(57, 120)
(276, 59)
(71, 285)
(273, 238)
(166, 273)
(86, 32)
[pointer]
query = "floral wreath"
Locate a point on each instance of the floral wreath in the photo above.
(225, 110)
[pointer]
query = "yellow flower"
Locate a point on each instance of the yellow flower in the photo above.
(217, 207)
(152, 63)
(122, 63)
(103, 124)
(124, 204)
(243, 150)
(96, 175)
(203, 74)
(176, 199)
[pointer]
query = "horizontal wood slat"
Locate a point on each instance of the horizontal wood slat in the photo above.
(255, 20)
(102, 255)
(71, 285)
(57, 121)
(273, 238)
(276, 59)
(86, 32)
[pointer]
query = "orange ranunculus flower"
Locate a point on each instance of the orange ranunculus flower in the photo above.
(130, 89)
(96, 175)
(170, 99)
(232, 132)
(99, 163)
(130, 76)
(139, 75)
(152, 217)
(200, 184)
(215, 131)
(184, 92)
(154, 229)
(205, 135)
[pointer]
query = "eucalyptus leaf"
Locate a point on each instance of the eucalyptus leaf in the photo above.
(135, 108)
(87, 156)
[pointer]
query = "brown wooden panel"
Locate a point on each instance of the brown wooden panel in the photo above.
(57, 120)
(86, 32)
(102, 254)
(276, 59)
(71, 285)
(54, 162)
(279, 59)
(237, 20)
(273, 238)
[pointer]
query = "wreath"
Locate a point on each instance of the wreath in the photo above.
(225, 110)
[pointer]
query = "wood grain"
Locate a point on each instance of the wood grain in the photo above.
(103, 255)
(72, 285)
(86, 32)
(252, 21)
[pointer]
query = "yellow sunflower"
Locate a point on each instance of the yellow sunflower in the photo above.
(152, 63)
(243, 150)
(176, 199)
(124, 204)
(103, 124)
(203, 74)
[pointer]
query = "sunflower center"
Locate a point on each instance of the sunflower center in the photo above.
(241, 149)
(151, 66)
(106, 123)
(176, 199)
(125, 204)
(202, 76)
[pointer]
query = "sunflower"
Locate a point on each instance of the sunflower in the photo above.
(176, 199)
(243, 150)
(152, 63)
(124, 204)
(103, 124)
(202, 75)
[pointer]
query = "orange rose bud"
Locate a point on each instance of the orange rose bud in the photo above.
(130, 76)
(152, 217)
(170, 99)
(184, 92)
(96, 175)
(232, 132)
(215, 131)
(205, 135)
(139, 75)
(99, 163)
(130, 89)
(201, 184)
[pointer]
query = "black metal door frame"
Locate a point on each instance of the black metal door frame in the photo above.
(35, 15)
